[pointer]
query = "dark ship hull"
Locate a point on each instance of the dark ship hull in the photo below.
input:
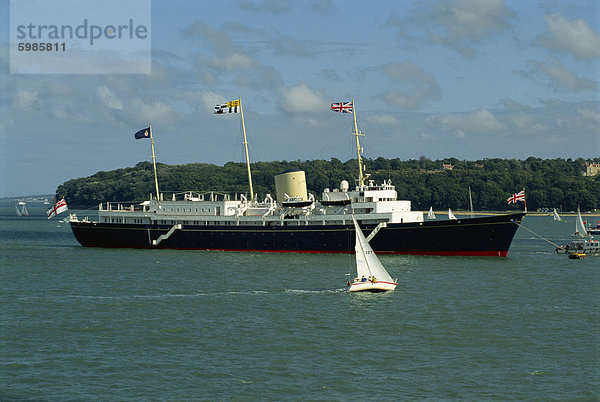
(484, 236)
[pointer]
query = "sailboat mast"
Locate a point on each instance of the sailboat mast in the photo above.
(356, 133)
(471, 201)
(154, 162)
(246, 148)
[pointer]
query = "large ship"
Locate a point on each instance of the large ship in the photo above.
(294, 221)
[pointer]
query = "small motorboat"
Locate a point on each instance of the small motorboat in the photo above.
(577, 256)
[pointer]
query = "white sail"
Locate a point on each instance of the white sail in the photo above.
(580, 229)
(23, 211)
(367, 263)
(430, 214)
(556, 216)
(450, 214)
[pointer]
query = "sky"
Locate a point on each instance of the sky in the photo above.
(433, 78)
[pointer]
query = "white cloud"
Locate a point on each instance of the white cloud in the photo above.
(458, 24)
(383, 119)
(302, 99)
(233, 62)
(421, 85)
(149, 112)
(478, 122)
(572, 36)
(563, 78)
(24, 99)
(107, 97)
(589, 114)
(206, 99)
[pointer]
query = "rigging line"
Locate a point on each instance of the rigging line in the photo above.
(540, 236)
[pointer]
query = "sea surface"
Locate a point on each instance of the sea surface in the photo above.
(112, 324)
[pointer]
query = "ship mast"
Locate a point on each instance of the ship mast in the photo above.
(154, 162)
(356, 133)
(246, 148)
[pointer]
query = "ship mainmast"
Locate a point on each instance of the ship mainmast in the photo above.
(246, 148)
(361, 177)
(154, 162)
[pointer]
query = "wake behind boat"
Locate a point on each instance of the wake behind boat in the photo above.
(371, 276)
(293, 221)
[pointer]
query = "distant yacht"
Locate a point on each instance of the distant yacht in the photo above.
(22, 211)
(430, 214)
(556, 217)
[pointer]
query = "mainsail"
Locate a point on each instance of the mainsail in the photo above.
(367, 263)
(450, 214)
(580, 229)
(556, 216)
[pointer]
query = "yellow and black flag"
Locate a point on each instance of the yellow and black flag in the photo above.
(229, 107)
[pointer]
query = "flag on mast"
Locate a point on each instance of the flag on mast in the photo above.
(520, 196)
(58, 208)
(143, 133)
(229, 107)
(342, 107)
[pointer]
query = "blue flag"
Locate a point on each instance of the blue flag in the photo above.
(144, 133)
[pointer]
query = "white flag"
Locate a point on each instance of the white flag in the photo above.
(58, 208)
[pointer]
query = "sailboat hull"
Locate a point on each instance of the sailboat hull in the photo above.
(482, 236)
(375, 287)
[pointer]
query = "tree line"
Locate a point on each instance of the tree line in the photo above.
(548, 183)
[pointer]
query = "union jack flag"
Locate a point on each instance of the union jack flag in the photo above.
(520, 196)
(342, 107)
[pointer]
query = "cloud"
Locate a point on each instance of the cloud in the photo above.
(286, 45)
(302, 99)
(589, 114)
(383, 119)
(478, 122)
(24, 99)
(276, 7)
(560, 78)
(422, 86)
(204, 100)
(108, 98)
(571, 36)
(218, 39)
(458, 25)
(229, 61)
(144, 112)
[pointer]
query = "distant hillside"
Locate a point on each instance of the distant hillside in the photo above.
(549, 183)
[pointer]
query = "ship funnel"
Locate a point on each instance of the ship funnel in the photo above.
(291, 183)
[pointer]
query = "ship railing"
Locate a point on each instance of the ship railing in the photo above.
(121, 207)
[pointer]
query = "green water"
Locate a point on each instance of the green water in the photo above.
(108, 324)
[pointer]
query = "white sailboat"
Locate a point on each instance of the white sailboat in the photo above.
(23, 211)
(451, 215)
(371, 276)
(430, 214)
(556, 217)
(580, 229)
